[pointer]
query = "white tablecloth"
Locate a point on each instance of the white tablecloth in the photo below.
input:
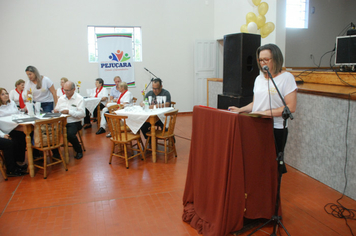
(91, 103)
(136, 116)
(6, 124)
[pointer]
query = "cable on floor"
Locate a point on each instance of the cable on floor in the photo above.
(338, 210)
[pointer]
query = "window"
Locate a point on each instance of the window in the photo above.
(93, 46)
(297, 14)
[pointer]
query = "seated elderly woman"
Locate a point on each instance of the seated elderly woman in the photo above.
(18, 95)
(125, 98)
(60, 91)
(8, 107)
(99, 92)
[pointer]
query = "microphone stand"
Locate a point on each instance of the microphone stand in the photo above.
(151, 79)
(281, 166)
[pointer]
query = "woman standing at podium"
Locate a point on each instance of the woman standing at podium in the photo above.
(266, 100)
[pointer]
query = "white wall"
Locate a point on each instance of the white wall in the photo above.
(329, 19)
(52, 35)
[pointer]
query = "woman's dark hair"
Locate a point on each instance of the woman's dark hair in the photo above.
(37, 74)
(277, 57)
(101, 81)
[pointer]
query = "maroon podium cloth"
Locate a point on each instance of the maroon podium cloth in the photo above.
(231, 156)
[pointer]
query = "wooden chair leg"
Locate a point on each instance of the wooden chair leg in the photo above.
(45, 165)
(139, 142)
(112, 152)
(81, 140)
(127, 162)
(165, 151)
(62, 158)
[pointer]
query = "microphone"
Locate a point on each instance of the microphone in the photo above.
(145, 68)
(265, 68)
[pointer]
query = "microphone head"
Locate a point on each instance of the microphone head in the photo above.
(265, 68)
(145, 68)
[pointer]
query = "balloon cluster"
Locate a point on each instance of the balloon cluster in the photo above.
(255, 23)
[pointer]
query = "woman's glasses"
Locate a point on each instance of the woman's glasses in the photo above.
(265, 60)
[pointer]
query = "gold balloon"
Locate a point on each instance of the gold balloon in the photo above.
(256, 2)
(250, 17)
(260, 21)
(243, 29)
(263, 8)
(264, 35)
(267, 28)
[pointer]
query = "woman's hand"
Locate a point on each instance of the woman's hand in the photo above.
(234, 109)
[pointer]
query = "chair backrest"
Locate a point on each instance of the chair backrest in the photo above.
(173, 104)
(115, 107)
(117, 126)
(48, 133)
(170, 120)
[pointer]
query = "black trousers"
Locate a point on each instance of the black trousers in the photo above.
(147, 127)
(14, 150)
(95, 113)
(278, 138)
(72, 130)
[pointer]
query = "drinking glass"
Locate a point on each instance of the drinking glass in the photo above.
(159, 101)
(149, 100)
(164, 98)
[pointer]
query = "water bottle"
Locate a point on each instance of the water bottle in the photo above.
(146, 105)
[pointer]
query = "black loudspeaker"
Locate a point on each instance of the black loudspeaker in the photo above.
(240, 64)
(224, 101)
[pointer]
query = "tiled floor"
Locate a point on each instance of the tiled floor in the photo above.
(95, 198)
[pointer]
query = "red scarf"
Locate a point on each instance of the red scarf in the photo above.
(118, 100)
(97, 92)
(62, 91)
(22, 104)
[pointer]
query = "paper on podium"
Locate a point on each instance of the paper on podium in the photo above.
(255, 115)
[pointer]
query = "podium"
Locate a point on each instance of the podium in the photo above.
(232, 171)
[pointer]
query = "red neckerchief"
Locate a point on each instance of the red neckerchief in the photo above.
(118, 100)
(22, 104)
(97, 92)
(62, 91)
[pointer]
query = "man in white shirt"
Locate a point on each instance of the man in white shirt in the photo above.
(73, 105)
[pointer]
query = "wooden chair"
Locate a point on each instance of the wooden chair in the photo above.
(166, 134)
(115, 107)
(48, 136)
(79, 134)
(121, 137)
(134, 100)
(173, 104)
(2, 165)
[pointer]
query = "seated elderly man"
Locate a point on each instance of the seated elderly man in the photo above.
(157, 90)
(124, 98)
(73, 105)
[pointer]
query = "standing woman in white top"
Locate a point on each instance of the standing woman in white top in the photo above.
(266, 100)
(41, 88)
(60, 91)
(18, 95)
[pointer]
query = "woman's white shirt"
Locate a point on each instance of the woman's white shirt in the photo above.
(8, 109)
(15, 96)
(266, 96)
(43, 94)
(101, 94)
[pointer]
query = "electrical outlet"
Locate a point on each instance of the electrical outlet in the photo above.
(311, 56)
